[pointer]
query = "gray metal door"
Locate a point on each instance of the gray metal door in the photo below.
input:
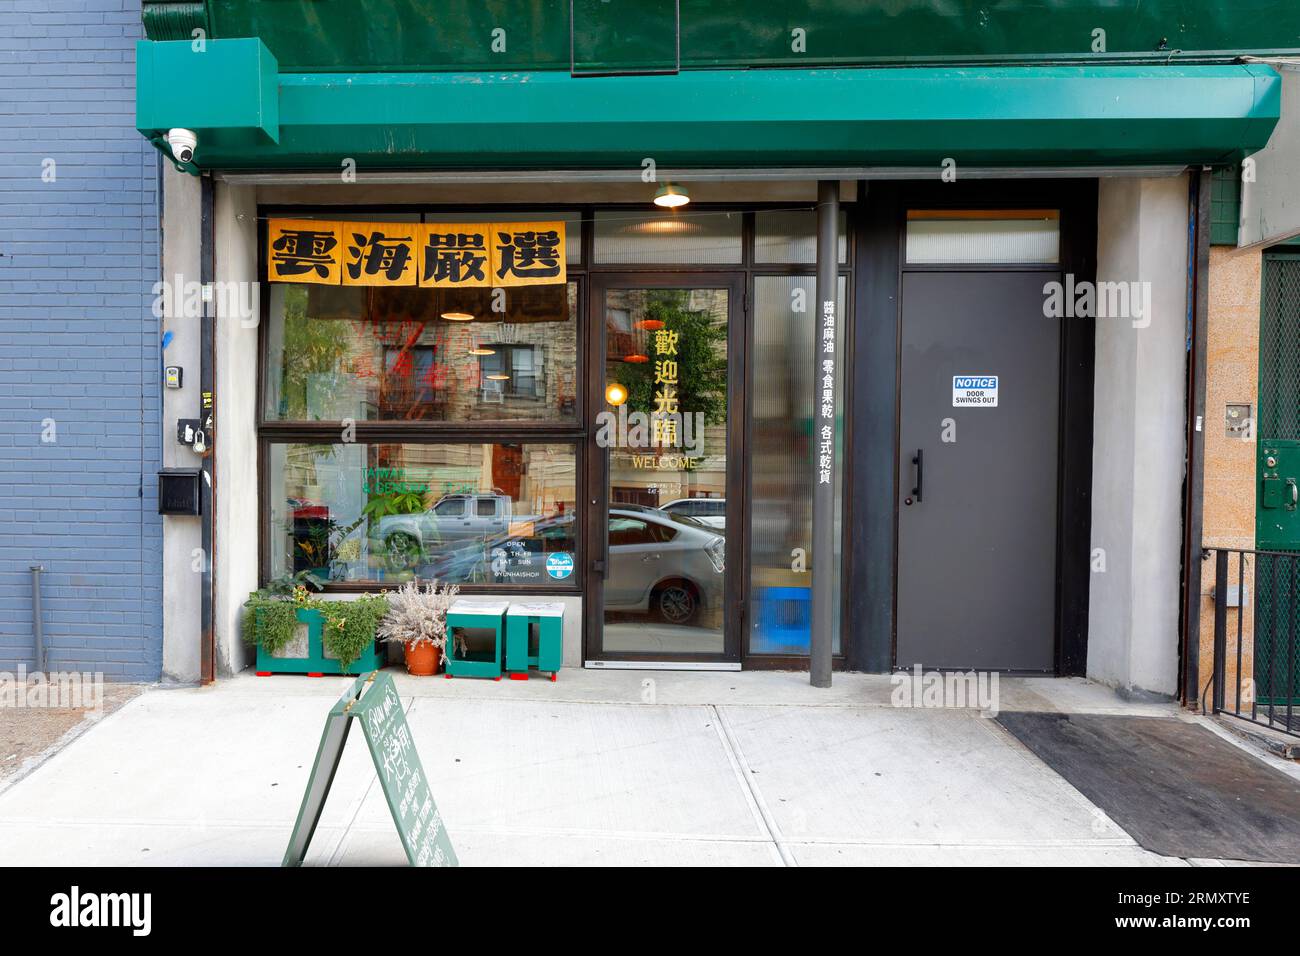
(977, 472)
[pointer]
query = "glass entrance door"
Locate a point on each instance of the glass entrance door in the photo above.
(666, 445)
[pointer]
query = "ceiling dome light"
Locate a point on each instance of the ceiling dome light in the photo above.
(670, 196)
(652, 325)
(615, 393)
(457, 316)
(499, 377)
(479, 350)
(636, 358)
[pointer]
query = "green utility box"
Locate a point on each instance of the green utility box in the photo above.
(534, 638)
(464, 661)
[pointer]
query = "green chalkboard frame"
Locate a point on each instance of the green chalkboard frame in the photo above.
(372, 699)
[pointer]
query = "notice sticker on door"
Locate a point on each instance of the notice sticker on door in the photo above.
(974, 391)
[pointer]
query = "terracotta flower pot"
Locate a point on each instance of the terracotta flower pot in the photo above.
(422, 659)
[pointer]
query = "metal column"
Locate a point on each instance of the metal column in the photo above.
(207, 412)
(824, 409)
(1197, 424)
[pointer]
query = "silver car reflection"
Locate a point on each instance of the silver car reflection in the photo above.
(662, 564)
(709, 511)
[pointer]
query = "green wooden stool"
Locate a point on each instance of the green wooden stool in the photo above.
(521, 653)
(485, 615)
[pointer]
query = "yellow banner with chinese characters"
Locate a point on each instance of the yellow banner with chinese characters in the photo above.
(379, 253)
(304, 250)
(527, 253)
(429, 255)
(456, 255)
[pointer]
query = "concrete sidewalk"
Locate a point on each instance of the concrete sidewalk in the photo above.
(603, 767)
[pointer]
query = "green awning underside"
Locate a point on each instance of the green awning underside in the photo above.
(250, 116)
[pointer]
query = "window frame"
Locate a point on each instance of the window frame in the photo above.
(468, 509)
(974, 213)
(507, 427)
(572, 432)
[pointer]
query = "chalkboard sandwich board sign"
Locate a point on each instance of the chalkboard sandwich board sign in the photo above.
(373, 700)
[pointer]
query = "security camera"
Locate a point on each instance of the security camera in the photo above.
(183, 143)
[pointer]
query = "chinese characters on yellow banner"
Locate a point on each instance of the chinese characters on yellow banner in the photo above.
(431, 255)
(304, 250)
(379, 253)
(527, 253)
(455, 255)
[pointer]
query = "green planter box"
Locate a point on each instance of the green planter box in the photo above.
(476, 615)
(306, 654)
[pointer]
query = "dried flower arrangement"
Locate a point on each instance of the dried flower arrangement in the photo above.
(418, 615)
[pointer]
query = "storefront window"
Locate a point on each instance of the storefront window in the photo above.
(789, 236)
(978, 236)
(432, 432)
(417, 354)
(781, 500)
(474, 513)
(624, 237)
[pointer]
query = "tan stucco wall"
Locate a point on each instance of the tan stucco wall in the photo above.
(1231, 377)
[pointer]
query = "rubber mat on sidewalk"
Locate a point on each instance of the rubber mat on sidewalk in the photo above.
(1176, 788)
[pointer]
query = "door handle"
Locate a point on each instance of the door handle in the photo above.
(918, 460)
(600, 565)
(651, 557)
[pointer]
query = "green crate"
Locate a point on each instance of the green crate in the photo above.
(316, 662)
(484, 615)
(548, 619)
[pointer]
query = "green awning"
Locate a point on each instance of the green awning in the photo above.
(249, 116)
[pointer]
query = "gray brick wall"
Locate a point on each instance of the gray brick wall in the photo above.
(78, 341)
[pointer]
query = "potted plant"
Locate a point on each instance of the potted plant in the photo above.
(271, 613)
(322, 546)
(298, 633)
(350, 630)
(417, 619)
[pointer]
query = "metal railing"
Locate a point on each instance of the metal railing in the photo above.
(1256, 631)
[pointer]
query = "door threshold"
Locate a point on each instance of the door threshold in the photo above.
(662, 665)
